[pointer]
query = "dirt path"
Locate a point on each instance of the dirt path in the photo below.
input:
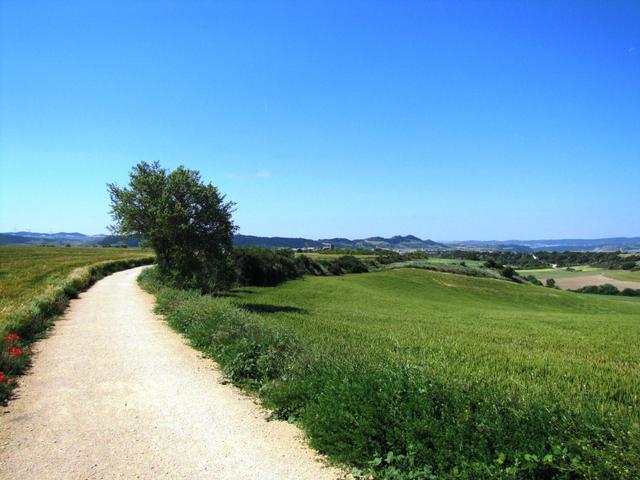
(573, 283)
(115, 393)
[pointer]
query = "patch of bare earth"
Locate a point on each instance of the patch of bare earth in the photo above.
(573, 283)
(115, 393)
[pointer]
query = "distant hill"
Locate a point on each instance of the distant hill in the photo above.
(398, 242)
(408, 242)
(274, 242)
(60, 238)
(624, 244)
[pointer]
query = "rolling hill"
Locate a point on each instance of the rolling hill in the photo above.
(398, 242)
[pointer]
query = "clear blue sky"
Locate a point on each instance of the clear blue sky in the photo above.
(447, 120)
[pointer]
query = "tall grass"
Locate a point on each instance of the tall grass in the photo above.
(416, 374)
(27, 272)
(34, 317)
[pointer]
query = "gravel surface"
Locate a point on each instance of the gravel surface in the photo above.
(115, 393)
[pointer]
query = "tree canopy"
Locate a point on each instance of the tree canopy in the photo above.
(187, 222)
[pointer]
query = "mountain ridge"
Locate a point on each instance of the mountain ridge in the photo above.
(396, 242)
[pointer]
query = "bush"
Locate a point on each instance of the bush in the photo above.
(386, 257)
(631, 292)
(551, 283)
(606, 289)
(533, 280)
(344, 264)
(491, 263)
(265, 267)
(507, 272)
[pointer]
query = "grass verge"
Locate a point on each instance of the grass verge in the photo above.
(487, 380)
(25, 324)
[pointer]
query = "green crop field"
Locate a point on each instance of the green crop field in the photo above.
(26, 272)
(455, 261)
(422, 373)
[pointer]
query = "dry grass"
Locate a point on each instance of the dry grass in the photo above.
(29, 272)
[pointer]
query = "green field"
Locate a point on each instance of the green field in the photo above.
(456, 261)
(26, 272)
(462, 377)
(582, 270)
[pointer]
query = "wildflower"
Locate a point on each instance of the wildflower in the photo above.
(1, 377)
(15, 351)
(12, 337)
(10, 381)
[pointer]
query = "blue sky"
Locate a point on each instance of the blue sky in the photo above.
(447, 120)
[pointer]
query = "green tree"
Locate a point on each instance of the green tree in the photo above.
(507, 272)
(551, 283)
(186, 222)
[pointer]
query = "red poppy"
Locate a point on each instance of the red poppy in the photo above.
(1, 377)
(12, 337)
(10, 381)
(15, 351)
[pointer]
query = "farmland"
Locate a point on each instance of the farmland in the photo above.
(583, 275)
(26, 272)
(423, 373)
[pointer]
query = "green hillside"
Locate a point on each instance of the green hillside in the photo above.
(463, 377)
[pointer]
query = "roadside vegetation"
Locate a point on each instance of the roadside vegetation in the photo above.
(36, 284)
(446, 369)
(407, 373)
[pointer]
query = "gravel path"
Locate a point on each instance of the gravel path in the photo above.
(115, 393)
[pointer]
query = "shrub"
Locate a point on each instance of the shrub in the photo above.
(344, 264)
(606, 289)
(386, 257)
(491, 263)
(507, 272)
(533, 280)
(266, 267)
(550, 282)
(631, 292)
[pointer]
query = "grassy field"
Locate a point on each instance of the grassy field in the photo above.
(423, 373)
(471, 263)
(26, 272)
